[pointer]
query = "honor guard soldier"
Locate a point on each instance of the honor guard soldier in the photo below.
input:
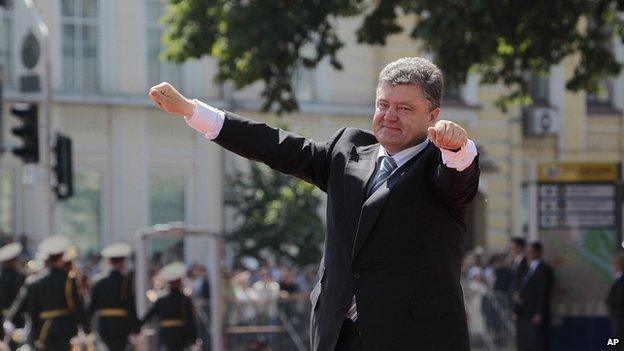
(174, 311)
(11, 280)
(52, 301)
(112, 300)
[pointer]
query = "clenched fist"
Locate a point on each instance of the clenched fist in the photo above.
(168, 99)
(448, 135)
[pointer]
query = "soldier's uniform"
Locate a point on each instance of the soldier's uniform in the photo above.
(174, 311)
(52, 301)
(113, 303)
(11, 281)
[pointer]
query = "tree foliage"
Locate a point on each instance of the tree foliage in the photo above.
(265, 40)
(506, 39)
(275, 213)
(257, 40)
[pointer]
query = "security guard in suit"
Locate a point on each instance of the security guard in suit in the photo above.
(112, 300)
(174, 311)
(52, 301)
(11, 280)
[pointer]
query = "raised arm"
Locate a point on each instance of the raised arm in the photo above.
(457, 176)
(286, 152)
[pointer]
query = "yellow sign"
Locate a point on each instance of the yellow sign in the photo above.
(578, 172)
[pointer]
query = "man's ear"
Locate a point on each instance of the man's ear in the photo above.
(433, 115)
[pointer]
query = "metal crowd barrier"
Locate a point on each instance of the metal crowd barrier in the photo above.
(489, 321)
(287, 330)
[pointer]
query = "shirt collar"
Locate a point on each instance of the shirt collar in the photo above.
(401, 157)
(618, 274)
(534, 264)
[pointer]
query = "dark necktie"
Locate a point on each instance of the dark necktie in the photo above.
(387, 166)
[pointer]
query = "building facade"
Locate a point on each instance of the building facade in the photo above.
(136, 166)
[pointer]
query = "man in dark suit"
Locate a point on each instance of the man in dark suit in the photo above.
(396, 211)
(533, 301)
(518, 266)
(112, 300)
(615, 300)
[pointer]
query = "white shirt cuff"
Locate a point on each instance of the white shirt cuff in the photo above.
(461, 159)
(206, 119)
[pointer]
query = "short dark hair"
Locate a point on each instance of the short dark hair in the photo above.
(519, 242)
(418, 71)
(537, 246)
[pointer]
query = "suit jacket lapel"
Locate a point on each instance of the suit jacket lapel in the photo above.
(360, 166)
(375, 203)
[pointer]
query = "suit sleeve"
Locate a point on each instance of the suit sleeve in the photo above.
(616, 299)
(543, 287)
(285, 152)
(457, 188)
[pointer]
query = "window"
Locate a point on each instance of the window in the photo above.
(538, 89)
(6, 61)
(80, 30)
(304, 83)
(158, 70)
(81, 213)
(603, 96)
(167, 198)
(7, 201)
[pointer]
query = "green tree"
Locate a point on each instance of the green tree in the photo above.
(275, 213)
(265, 40)
(258, 40)
(506, 39)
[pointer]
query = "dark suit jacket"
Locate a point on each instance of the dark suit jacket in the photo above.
(536, 292)
(113, 290)
(399, 251)
(518, 271)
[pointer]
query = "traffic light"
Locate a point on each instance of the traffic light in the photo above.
(63, 170)
(28, 132)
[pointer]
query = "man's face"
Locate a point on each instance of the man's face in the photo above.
(515, 249)
(402, 116)
(532, 254)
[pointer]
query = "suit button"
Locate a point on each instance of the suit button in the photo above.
(356, 276)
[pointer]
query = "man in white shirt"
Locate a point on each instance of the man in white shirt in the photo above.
(396, 210)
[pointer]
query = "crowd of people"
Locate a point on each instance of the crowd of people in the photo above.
(506, 295)
(509, 293)
(54, 299)
(260, 294)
